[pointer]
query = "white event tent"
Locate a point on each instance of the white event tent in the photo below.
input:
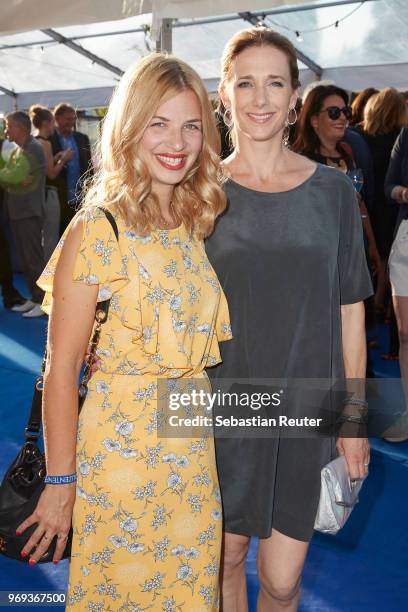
(54, 50)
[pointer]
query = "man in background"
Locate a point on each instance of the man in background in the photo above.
(70, 181)
(12, 299)
(24, 178)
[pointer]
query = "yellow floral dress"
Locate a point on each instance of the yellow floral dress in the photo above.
(147, 518)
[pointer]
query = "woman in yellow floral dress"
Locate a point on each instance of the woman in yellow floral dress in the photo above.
(147, 512)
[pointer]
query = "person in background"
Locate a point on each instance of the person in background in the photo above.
(12, 298)
(77, 164)
(363, 160)
(320, 136)
(396, 189)
(359, 104)
(404, 95)
(44, 123)
(384, 115)
(24, 173)
(361, 152)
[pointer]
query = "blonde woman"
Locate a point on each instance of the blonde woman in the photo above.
(146, 516)
(289, 254)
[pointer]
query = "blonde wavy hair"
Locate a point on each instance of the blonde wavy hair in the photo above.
(122, 181)
(384, 112)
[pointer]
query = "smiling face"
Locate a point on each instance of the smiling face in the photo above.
(259, 92)
(66, 122)
(330, 129)
(172, 140)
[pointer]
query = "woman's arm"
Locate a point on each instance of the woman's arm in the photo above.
(374, 256)
(356, 450)
(70, 327)
(394, 181)
(53, 167)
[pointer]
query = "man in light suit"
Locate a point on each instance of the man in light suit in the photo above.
(24, 177)
(70, 181)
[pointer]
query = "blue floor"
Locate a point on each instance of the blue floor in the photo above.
(364, 568)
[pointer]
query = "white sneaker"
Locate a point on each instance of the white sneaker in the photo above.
(34, 312)
(28, 305)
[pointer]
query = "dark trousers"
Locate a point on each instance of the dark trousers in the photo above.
(67, 211)
(6, 273)
(27, 235)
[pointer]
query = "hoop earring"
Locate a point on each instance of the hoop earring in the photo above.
(228, 118)
(296, 117)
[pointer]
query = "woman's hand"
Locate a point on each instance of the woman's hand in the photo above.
(67, 155)
(53, 516)
(357, 454)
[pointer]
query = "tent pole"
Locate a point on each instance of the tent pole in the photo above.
(10, 93)
(164, 40)
(78, 49)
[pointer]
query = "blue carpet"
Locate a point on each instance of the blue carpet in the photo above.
(362, 569)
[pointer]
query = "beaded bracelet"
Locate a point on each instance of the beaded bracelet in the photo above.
(354, 401)
(61, 479)
(350, 418)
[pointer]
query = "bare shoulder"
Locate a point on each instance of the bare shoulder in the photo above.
(46, 145)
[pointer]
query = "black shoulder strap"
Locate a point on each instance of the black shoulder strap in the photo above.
(33, 427)
(112, 221)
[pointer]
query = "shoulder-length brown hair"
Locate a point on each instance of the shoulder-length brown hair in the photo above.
(359, 104)
(307, 141)
(122, 181)
(385, 112)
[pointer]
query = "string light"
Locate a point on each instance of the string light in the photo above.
(298, 33)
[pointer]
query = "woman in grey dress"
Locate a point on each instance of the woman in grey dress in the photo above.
(289, 254)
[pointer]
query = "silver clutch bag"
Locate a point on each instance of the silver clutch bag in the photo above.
(338, 496)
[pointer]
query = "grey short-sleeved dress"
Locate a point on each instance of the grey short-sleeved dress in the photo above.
(287, 262)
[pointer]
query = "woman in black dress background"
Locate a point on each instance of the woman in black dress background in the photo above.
(289, 254)
(320, 136)
(384, 116)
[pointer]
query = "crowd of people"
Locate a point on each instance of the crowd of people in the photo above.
(41, 183)
(264, 275)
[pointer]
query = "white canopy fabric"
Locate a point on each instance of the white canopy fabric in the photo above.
(23, 15)
(368, 48)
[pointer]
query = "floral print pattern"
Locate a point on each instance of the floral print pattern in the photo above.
(147, 517)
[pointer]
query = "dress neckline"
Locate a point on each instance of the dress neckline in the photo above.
(277, 193)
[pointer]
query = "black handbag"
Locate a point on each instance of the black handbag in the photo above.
(23, 482)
